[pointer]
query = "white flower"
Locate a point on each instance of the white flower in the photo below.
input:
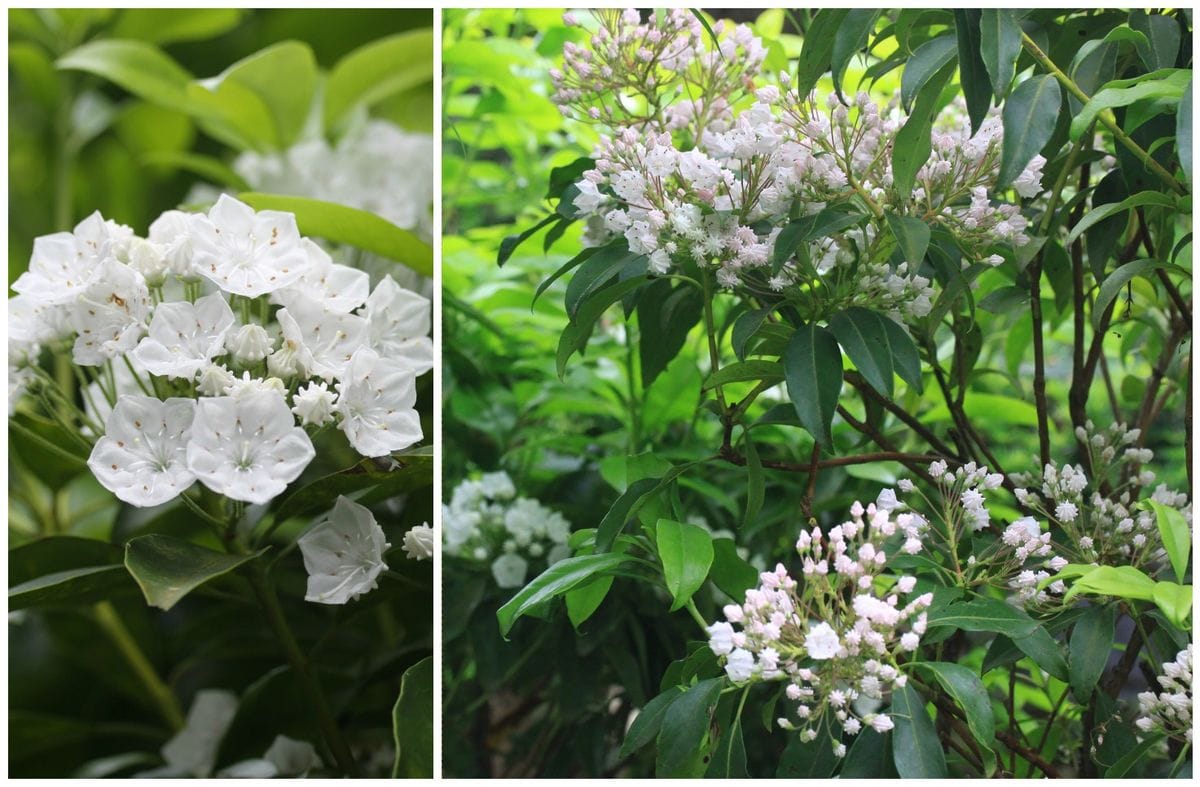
(739, 665)
(248, 385)
(110, 314)
(142, 457)
(291, 757)
(248, 447)
(821, 642)
(244, 252)
(1066, 512)
(338, 288)
(509, 570)
(323, 339)
(881, 723)
(398, 325)
(314, 404)
(248, 344)
(343, 555)
(193, 750)
(172, 234)
(65, 263)
(375, 402)
(720, 638)
(185, 337)
(214, 380)
(418, 542)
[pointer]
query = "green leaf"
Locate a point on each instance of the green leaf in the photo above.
(412, 723)
(140, 68)
(916, 749)
(207, 167)
(994, 407)
(351, 226)
(862, 335)
(1029, 116)
(755, 481)
(1136, 754)
(1175, 601)
(966, 689)
(1118, 581)
(1091, 642)
(553, 582)
(1169, 85)
(1117, 280)
(745, 326)
(912, 146)
(927, 60)
(1004, 299)
(378, 70)
(648, 722)
(905, 358)
(684, 724)
(666, 315)
(729, 758)
(1101, 212)
(283, 77)
(797, 232)
(809, 759)
(1162, 39)
(912, 235)
(567, 175)
(745, 371)
(172, 25)
(813, 368)
(686, 551)
(850, 38)
(817, 52)
(73, 586)
(868, 757)
(1045, 652)
(972, 73)
(511, 242)
(1183, 132)
(999, 46)
(1176, 536)
(413, 474)
(167, 568)
(583, 601)
(983, 614)
(733, 575)
(595, 272)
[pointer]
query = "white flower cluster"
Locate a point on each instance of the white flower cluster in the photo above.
(838, 637)
(666, 61)
(719, 196)
(201, 345)
(1100, 516)
(376, 167)
(486, 522)
(1170, 711)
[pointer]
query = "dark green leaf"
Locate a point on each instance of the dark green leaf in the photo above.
(868, 757)
(972, 73)
(817, 52)
(648, 722)
(167, 568)
(1117, 280)
(862, 335)
(912, 147)
(905, 358)
(1045, 652)
(685, 722)
(823, 223)
(1000, 46)
(351, 226)
(916, 749)
(570, 264)
(813, 369)
(575, 336)
(553, 582)
(583, 601)
(415, 472)
(1101, 212)
(983, 614)
(927, 60)
(1091, 642)
(412, 723)
(1004, 299)
(912, 235)
(809, 759)
(729, 757)
(850, 38)
(72, 586)
(511, 242)
(746, 325)
(686, 552)
(666, 315)
(1161, 45)
(1029, 116)
(595, 272)
(966, 689)
(745, 371)
(1139, 753)
(733, 575)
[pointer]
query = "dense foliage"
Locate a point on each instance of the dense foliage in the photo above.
(753, 231)
(219, 462)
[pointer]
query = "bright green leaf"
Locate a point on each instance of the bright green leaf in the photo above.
(686, 551)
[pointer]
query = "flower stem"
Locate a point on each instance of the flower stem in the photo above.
(696, 616)
(303, 669)
(160, 693)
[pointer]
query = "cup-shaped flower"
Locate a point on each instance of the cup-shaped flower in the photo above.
(142, 457)
(323, 339)
(339, 288)
(65, 263)
(343, 555)
(245, 252)
(247, 447)
(399, 322)
(110, 314)
(184, 336)
(418, 542)
(375, 402)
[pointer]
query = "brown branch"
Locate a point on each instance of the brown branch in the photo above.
(907, 418)
(1039, 359)
(1028, 754)
(1157, 374)
(733, 457)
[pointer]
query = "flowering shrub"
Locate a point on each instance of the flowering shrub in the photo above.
(237, 427)
(792, 212)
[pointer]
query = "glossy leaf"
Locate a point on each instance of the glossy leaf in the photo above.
(1045, 652)
(683, 726)
(167, 568)
(553, 582)
(377, 71)
(686, 552)
(283, 77)
(926, 61)
(1162, 39)
(862, 335)
(342, 224)
(1101, 212)
(745, 371)
(972, 73)
(733, 575)
(1116, 281)
(141, 68)
(412, 723)
(1175, 601)
(648, 722)
(72, 586)
(912, 145)
(1176, 536)
(1029, 116)
(1091, 642)
(666, 315)
(916, 749)
(1169, 85)
(999, 46)
(905, 358)
(966, 689)
(912, 236)
(813, 369)
(851, 37)
(983, 614)
(817, 52)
